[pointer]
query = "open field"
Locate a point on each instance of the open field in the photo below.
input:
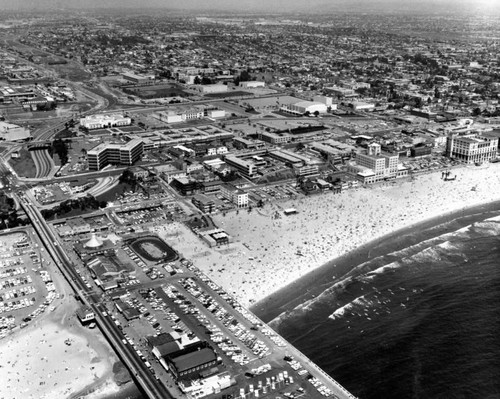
(157, 91)
(24, 166)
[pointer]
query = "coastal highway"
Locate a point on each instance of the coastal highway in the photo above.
(138, 369)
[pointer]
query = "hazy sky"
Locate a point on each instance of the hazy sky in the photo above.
(264, 5)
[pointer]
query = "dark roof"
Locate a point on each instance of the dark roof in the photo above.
(84, 311)
(168, 348)
(211, 183)
(160, 339)
(494, 134)
(131, 313)
(194, 359)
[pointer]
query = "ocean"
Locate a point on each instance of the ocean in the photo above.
(414, 315)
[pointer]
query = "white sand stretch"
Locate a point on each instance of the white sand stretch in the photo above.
(38, 364)
(327, 226)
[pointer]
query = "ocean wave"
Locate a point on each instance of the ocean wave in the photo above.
(427, 254)
(487, 227)
(435, 249)
(493, 219)
(359, 302)
(328, 294)
(448, 245)
(383, 269)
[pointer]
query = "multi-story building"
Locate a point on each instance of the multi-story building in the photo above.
(204, 203)
(235, 195)
(115, 154)
(104, 121)
(306, 170)
(275, 138)
(184, 185)
(472, 148)
(245, 168)
(375, 166)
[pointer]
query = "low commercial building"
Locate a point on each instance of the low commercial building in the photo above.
(85, 315)
(303, 107)
(340, 91)
(216, 113)
(252, 84)
(115, 154)
(362, 106)
(105, 121)
(138, 79)
(208, 89)
(78, 225)
(328, 101)
(420, 150)
(275, 138)
(243, 143)
(11, 132)
(189, 366)
(180, 114)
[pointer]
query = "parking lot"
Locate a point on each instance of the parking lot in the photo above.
(26, 289)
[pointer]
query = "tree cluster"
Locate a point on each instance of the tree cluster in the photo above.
(8, 213)
(83, 203)
(60, 147)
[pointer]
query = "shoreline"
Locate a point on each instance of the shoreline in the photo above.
(286, 298)
(327, 228)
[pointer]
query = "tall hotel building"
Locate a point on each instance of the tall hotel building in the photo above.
(472, 148)
(116, 154)
(374, 166)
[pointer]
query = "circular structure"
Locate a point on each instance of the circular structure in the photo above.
(94, 242)
(153, 249)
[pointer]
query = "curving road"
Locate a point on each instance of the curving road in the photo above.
(43, 162)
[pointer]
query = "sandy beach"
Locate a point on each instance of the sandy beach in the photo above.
(270, 253)
(56, 357)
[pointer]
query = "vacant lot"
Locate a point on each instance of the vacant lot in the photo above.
(24, 165)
